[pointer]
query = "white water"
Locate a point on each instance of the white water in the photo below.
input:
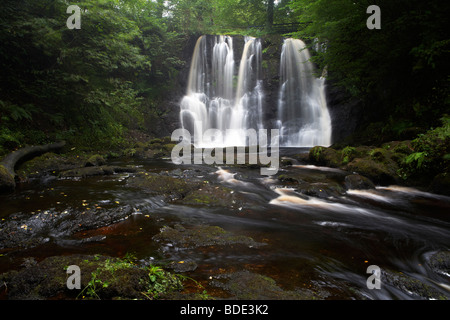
(303, 116)
(218, 98)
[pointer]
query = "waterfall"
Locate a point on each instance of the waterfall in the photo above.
(303, 117)
(216, 99)
(227, 99)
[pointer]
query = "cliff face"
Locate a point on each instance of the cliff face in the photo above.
(272, 46)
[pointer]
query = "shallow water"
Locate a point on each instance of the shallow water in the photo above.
(320, 244)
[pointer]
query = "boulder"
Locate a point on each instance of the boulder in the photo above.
(356, 181)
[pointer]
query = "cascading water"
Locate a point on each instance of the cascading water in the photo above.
(215, 100)
(303, 117)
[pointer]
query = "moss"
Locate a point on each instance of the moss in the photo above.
(7, 182)
(348, 154)
(325, 156)
(101, 278)
(158, 184)
(95, 160)
(214, 196)
(378, 172)
(245, 285)
(411, 286)
(156, 141)
(201, 236)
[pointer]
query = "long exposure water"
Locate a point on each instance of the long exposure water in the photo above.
(309, 242)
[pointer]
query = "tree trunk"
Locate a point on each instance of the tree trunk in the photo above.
(270, 9)
(8, 164)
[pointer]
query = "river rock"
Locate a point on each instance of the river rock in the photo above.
(91, 171)
(356, 181)
(7, 181)
(114, 278)
(411, 286)
(245, 285)
(441, 184)
(323, 190)
(201, 236)
(378, 172)
(172, 188)
(216, 196)
(25, 231)
(439, 262)
(95, 160)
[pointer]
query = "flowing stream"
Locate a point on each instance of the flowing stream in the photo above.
(322, 242)
(310, 231)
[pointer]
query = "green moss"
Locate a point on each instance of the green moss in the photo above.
(164, 185)
(121, 278)
(7, 182)
(200, 236)
(95, 160)
(156, 141)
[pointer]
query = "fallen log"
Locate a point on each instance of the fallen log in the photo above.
(8, 164)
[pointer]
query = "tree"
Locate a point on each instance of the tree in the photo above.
(270, 12)
(87, 86)
(405, 63)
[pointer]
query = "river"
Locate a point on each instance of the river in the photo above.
(324, 242)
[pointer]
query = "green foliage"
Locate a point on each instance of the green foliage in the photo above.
(110, 275)
(347, 154)
(431, 150)
(416, 157)
(88, 86)
(402, 65)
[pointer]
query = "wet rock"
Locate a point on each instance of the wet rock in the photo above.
(113, 278)
(380, 173)
(25, 231)
(7, 182)
(441, 184)
(411, 286)
(201, 236)
(440, 263)
(95, 160)
(356, 181)
(215, 196)
(321, 190)
(325, 157)
(91, 171)
(48, 163)
(245, 285)
(159, 184)
(182, 266)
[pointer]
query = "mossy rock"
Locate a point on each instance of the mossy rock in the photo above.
(7, 181)
(201, 236)
(49, 163)
(245, 285)
(411, 286)
(380, 173)
(439, 262)
(215, 196)
(156, 141)
(159, 184)
(101, 278)
(95, 160)
(441, 184)
(325, 157)
(403, 147)
(87, 172)
(356, 181)
(323, 190)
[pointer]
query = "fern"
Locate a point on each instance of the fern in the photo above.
(418, 157)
